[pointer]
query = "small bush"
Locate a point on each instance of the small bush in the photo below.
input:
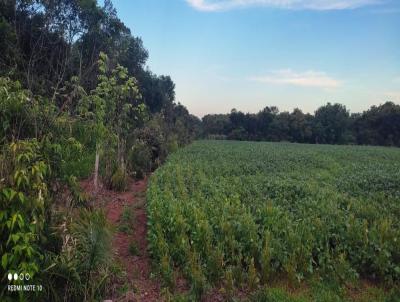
(108, 163)
(23, 201)
(126, 220)
(83, 269)
(172, 144)
(133, 248)
(140, 159)
(124, 228)
(274, 295)
(119, 180)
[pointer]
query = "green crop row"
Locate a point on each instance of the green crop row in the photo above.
(243, 213)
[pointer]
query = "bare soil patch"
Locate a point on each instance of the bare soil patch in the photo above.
(138, 267)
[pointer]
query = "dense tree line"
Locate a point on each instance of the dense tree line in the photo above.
(76, 102)
(330, 124)
(44, 44)
(51, 48)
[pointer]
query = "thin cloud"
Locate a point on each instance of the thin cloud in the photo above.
(304, 79)
(393, 95)
(219, 5)
(386, 11)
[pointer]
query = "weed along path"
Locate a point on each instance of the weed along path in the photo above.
(126, 211)
(128, 214)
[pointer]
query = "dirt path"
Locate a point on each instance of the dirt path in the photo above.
(139, 285)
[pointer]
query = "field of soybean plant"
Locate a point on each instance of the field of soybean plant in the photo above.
(243, 216)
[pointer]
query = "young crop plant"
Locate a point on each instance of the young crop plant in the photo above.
(127, 220)
(245, 213)
(133, 248)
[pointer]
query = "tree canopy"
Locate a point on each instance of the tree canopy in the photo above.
(331, 124)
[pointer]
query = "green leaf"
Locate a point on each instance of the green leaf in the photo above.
(21, 197)
(4, 261)
(15, 238)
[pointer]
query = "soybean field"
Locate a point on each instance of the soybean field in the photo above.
(231, 215)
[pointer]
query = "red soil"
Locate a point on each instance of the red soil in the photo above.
(138, 269)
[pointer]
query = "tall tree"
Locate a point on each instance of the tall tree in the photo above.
(330, 124)
(380, 125)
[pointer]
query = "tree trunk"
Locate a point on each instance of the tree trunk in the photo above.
(96, 169)
(120, 155)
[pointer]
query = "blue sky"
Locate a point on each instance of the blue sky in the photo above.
(248, 54)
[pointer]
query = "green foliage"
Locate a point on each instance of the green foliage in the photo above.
(116, 104)
(23, 116)
(229, 284)
(275, 295)
(252, 276)
(84, 264)
(379, 125)
(331, 124)
(249, 208)
(172, 144)
(93, 248)
(14, 110)
(58, 116)
(73, 158)
(133, 248)
(323, 292)
(119, 180)
(23, 203)
(127, 220)
(139, 159)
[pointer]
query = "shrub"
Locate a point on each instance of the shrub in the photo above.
(133, 248)
(126, 220)
(275, 295)
(172, 144)
(23, 204)
(140, 159)
(84, 265)
(15, 107)
(119, 180)
(108, 162)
